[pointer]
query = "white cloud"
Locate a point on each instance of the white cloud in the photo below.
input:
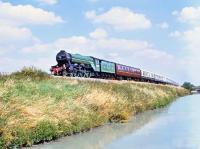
(85, 45)
(49, 2)
(189, 15)
(190, 59)
(14, 18)
(10, 64)
(190, 39)
(90, 14)
(16, 15)
(175, 34)
(98, 33)
(93, 1)
(120, 18)
(164, 25)
(13, 21)
(155, 54)
(14, 34)
(12, 38)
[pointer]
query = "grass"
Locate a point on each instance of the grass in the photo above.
(35, 107)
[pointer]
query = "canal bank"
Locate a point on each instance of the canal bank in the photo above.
(173, 127)
(35, 107)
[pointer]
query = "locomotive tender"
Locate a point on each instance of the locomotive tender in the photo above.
(76, 65)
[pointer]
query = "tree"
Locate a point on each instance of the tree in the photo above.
(188, 85)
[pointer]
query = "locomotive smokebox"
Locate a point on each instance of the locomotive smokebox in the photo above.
(63, 58)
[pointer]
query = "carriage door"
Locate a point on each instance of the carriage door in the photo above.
(97, 65)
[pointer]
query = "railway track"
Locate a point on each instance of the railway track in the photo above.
(99, 80)
(85, 79)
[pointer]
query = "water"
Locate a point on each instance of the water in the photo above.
(174, 127)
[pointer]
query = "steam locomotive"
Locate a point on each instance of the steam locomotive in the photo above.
(76, 65)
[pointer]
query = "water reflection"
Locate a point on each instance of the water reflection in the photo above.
(175, 127)
(98, 138)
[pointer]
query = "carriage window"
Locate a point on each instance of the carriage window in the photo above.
(126, 68)
(119, 67)
(97, 62)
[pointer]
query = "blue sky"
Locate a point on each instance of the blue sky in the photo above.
(159, 36)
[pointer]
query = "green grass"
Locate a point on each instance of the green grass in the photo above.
(35, 107)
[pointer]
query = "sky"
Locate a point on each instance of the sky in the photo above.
(158, 36)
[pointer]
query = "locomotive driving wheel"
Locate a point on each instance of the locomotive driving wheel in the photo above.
(87, 75)
(64, 73)
(80, 74)
(73, 74)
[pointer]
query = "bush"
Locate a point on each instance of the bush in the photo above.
(188, 85)
(20, 137)
(2, 142)
(31, 73)
(45, 131)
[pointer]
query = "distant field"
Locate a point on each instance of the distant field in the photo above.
(35, 107)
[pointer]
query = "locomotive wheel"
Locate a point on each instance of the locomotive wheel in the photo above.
(80, 74)
(73, 74)
(64, 73)
(87, 75)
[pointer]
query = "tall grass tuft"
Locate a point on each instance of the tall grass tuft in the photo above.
(31, 73)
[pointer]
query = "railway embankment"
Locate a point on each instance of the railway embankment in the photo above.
(35, 107)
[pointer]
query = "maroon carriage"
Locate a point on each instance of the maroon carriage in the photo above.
(128, 72)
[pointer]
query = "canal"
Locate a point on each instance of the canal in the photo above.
(174, 127)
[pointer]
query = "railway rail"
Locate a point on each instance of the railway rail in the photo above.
(97, 80)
